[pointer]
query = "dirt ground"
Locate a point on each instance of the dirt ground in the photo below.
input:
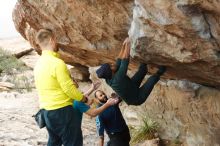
(18, 128)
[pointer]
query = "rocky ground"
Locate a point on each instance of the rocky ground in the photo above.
(18, 127)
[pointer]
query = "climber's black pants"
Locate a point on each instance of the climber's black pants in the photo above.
(146, 88)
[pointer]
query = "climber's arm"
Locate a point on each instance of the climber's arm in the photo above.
(124, 47)
(122, 70)
(126, 53)
(96, 111)
(122, 51)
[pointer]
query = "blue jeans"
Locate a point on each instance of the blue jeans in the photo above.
(61, 127)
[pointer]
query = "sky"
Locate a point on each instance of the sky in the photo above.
(7, 28)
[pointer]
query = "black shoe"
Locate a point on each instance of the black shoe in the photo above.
(161, 70)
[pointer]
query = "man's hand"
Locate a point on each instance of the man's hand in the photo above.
(89, 101)
(127, 40)
(75, 83)
(112, 101)
(126, 52)
(124, 48)
(93, 87)
(85, 98)
(128, 47)
(96, 85)
(114, 95)
(127, 43)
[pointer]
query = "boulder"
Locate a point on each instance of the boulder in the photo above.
(183, 35)
(80, 73)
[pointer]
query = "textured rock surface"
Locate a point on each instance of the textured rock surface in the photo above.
(183, 35)
(191, 116)
(89, 32)
(80, 73)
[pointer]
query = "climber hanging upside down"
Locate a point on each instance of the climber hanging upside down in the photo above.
(129, 88)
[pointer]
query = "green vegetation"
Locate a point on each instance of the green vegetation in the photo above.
(13, 68)
(22, 82)
(9, 63)
(146, 131)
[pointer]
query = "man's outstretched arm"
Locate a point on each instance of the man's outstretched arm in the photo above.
(122, 53)
(122, 71)
(96, 111)
(93, 88)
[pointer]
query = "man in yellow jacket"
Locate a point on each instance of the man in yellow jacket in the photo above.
(56, 91)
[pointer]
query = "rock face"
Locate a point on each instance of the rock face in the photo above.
(80, 73)
(181, 34)
(188, 116)
(89, 32)
(184, 34)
